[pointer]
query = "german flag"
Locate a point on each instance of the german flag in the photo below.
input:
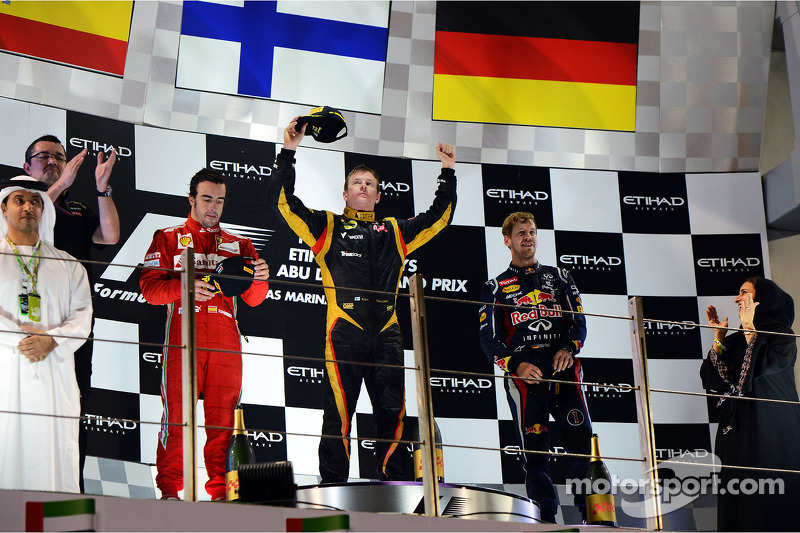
(561, 64)
(86, 34)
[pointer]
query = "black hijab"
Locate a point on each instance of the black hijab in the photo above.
(775, 310)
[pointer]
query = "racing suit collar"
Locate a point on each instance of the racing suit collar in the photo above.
(525, 270)
(199, 228)
(365, 216)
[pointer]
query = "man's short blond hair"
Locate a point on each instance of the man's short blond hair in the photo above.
(513, 218)
(362, 168)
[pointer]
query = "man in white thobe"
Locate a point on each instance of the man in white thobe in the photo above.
(45, 315)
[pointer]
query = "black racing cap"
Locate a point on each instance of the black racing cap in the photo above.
(233, 275)
(325, 124)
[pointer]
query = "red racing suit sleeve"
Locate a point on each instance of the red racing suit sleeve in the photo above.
(257, 292)
(160, 286)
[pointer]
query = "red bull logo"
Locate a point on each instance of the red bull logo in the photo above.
(546, 297)
(502, 363)
(536, 429)
(525, 300)
(535, 297)
(536, 313)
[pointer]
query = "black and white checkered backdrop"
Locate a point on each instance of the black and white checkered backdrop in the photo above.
(682, 241)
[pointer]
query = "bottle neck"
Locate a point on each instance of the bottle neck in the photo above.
(238, 426)
(595, 449)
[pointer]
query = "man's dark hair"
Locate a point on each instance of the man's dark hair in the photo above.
(43, 138)
(362, 168)
(205, 174)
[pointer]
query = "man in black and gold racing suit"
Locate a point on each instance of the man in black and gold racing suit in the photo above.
(354, 250)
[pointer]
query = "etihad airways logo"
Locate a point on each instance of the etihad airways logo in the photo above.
(306, 374)
(394, 188)
(654, 201)
(461, 385)
(265, 438)
(728, 262)
(241, 170)
(654, 326)
(96, 146)
(608, 390)
(589, 260)
(106, 424)
(517, 195)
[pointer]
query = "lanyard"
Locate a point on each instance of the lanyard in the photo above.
(31, 270)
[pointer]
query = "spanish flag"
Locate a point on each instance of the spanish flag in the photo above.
(561, 64)
(86, 34)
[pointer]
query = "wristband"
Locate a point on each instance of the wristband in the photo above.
(722, 347)
(106, 193)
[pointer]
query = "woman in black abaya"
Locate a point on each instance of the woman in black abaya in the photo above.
(753, 433)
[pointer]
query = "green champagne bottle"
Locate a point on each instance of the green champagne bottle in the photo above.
(600, 508)
(240, 452)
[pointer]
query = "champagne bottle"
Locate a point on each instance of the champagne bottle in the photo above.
(439, 454)
(240, 452)
(600, 508)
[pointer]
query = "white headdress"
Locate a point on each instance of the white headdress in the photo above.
(48, 221)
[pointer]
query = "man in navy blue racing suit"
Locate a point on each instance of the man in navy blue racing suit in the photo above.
(356, 250)
(533, 341)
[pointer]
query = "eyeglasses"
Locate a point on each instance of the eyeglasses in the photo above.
(45, 156)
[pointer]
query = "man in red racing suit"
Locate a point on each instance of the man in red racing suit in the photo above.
(219, 373)
(540, 338)
(354, 250)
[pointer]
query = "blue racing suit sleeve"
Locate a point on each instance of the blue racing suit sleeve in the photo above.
(492, 320)
(574, 322)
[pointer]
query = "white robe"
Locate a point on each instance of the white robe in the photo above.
(40, 452)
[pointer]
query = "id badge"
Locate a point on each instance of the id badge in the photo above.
(23, 304)
(34, 308)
